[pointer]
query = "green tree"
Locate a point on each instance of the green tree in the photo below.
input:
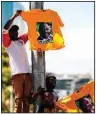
(6, 82)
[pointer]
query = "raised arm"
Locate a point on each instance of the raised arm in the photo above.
(9, 22)
(6, 39)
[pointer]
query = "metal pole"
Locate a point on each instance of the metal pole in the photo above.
(38, 63)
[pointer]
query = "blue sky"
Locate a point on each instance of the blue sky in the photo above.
(78, 55)
(74, 14)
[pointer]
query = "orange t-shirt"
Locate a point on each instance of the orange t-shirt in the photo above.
(51, 22)
(71, 102)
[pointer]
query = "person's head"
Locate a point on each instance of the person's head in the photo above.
(13, 32)
(45, 29)
(50, 81)
(86, 105)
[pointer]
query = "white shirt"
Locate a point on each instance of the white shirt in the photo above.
(17, 54)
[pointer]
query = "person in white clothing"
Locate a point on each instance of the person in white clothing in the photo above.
(19, 65)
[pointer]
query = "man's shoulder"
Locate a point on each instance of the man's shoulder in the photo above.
(4, 31)
(24, 37)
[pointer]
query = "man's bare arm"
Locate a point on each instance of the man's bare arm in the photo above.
(9, 22)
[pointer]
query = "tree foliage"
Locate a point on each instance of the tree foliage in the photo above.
(6, 82)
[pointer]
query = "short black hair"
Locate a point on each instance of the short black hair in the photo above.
(48, 75)
(14, 28)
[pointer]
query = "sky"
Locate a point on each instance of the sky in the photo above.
(78, 32)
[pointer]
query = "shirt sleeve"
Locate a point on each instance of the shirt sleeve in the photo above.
(6, 40)
(60, 21)
(24, 37)
(24, 15)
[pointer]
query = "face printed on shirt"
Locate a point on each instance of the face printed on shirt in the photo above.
(86, 105)
(45, 32)
(47, 29)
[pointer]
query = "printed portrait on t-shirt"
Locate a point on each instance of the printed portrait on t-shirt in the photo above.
(44, 32)
(85, 104)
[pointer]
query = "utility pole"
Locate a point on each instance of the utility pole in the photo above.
(38, 63)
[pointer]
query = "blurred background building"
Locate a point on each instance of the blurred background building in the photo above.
(68, 83)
